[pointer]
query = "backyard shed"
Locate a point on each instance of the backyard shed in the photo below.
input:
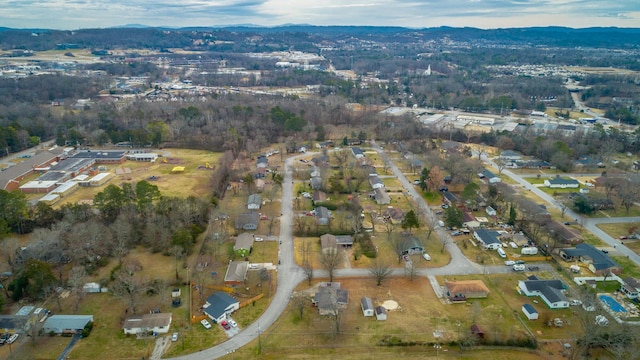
(367, 306)
(381, 313)
(530, 312)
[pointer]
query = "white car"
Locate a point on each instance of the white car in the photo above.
(509, 262)
(12, 338)
(426, 256)
(518, 267)
(258, 238)
(174, 337)
(232, 323)
(205, 323)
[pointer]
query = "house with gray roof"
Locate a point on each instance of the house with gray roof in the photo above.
(381, 197)
(357, 152)
(67, 324)
(561, 183)
(411, 245)
(254, 202)
(489, 176)
(247, 221)
(322, 215)
(597, 261)
(236, 272)
(148, 323)
(550, 291)
(330, 298)
(243, 244)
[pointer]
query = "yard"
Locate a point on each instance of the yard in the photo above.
(420, 314)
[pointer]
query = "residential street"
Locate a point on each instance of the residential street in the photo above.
(289, 274)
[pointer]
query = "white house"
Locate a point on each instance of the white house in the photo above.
(490, 211)
(376, 182)
(560, 183)
(219, 305)
(488, 238)
(530, 312)
(550, 291)
(529, 250)
(156, 323)
(491, 177)
(367, 306)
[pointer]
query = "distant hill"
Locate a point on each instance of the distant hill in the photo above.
(137, 35)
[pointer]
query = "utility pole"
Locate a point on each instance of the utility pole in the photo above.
(259, 340)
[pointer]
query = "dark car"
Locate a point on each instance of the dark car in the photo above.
(225, 325)
(605, 251)
(534, 268)
(520, 262)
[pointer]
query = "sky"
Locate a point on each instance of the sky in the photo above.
(485, 14)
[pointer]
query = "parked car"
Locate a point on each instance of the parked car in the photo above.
(520, 262)
(205, 323)
(605, 251)
(426, 257)
(416, 182)
(518, 267)
(174, 337)
(254, 266)
(12, 338)
(509, 262)
(225, 325)
(533, 268)
(233, 323)
(258, 238)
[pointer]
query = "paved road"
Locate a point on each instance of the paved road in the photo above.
(289, 275)
(588, 223)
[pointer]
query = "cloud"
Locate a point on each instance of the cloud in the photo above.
(73, 14)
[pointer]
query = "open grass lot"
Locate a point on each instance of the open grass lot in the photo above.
(619, 229)
(191, 182)
(630, 268)
(619, 211)
(421, 313)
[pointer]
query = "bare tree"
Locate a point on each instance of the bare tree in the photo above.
(127, 286)
(379, 271)
(299, 301)
(330, 261)
(77, 278)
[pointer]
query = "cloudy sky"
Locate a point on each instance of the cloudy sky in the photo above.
(76, 14)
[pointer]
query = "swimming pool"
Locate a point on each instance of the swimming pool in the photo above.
(612, 303)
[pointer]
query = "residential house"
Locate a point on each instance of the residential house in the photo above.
(381, 313)
(490, 211)
(597, 261)
(631, 288)
(376, 182)
(531, 164)
(344, 240)
(381, 197)
(489, 239)
(66, 324)
(469, 221)
(550, 291)
(357, 152)
(489, 176)
(564, 233)
(450, 198)
(247, 221)
(411, 245)
(322, 160)
(219, 305)
(322, 215)
(530, 312)
(393, 214)
(470, 289)
(236, 272)
(328, 243)
(510, 155)
(244, 244)
(148, 323)
(367, 306)
(561, 183)
(330, 298)
(319, 196)
(316, 183)
(254, 202)
(262, 162)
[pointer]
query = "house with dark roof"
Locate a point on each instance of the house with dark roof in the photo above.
(322, 215)
(247, 221)
(510, 155)
(489, 176)
(262, 162)
(316, 183)
(566, 234)
(411, 245)
(561, 183)
(357, 152)
(550, 291)
(631, 288)
(530, 312)
(489, 239)
(450, 198)
(597, 261)
(367, 306)
(319, 196)
(236, 272)
(330, 298)
(219, 305)
(344, 240)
